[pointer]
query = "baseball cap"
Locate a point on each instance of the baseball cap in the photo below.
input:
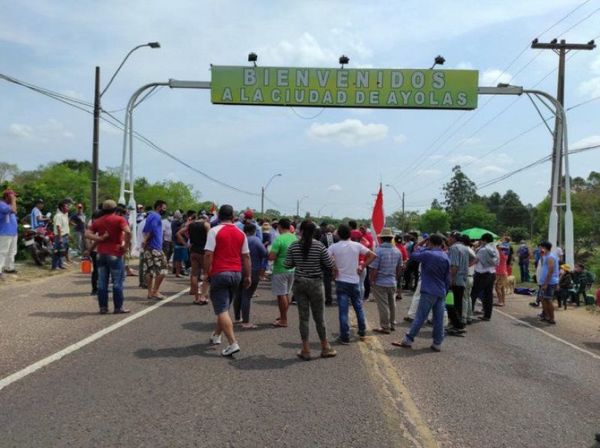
(248, 214)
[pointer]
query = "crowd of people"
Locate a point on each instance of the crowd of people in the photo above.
(226, 257)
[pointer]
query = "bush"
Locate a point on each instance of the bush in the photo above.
(517, 233)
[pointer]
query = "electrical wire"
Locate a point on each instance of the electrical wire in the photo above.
(424, 155)
(137, 135)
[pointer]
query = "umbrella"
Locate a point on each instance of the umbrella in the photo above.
(475, 233)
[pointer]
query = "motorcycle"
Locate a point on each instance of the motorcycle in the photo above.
(39, 242)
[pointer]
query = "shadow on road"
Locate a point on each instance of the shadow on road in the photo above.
(262, 362)
(204, 350)
(63, 314)
(409, 352)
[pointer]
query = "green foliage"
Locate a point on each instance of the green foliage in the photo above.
(517, 233)
(434, 221)
(459, 191)
(474, 214)
(71, 178)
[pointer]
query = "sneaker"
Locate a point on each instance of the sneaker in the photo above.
(103, 310)
(436, 348)
(230, 349)
(122, 311)
(215, 339)
(534, 304)
(404, 344)
(408, 319)
(551, 322)
(342, 341)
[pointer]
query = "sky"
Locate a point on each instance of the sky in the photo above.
(331, 160)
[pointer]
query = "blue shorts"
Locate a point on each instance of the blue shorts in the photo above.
(223, 288)
(180, 254)
(546, 293)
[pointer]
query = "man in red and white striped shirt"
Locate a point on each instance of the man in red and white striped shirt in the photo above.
(226, 257)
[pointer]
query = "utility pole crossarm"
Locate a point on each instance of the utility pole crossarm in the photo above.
(562, 45)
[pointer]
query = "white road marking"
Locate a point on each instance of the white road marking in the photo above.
(72, 348)
(582, 350)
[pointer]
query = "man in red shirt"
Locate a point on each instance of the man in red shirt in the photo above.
(225, 254)
(111, 235)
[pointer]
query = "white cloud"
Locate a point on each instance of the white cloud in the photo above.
(21, 130)
(304, 51)
(471, 141)
(586, 141)
(493, 76)
(50, 130)
(400, 139)
(464, 66)
(461, 159)
(491, 169)
(590, 87)
(431, 172)
(350, 132)
(334, 187)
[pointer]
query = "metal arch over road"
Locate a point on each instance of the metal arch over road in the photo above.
(384, 78)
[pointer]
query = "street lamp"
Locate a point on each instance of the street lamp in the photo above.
(97, 108)
(298, 205)
(262, 192)
(401, 197)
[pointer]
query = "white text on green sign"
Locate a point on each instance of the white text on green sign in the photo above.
(326, 87)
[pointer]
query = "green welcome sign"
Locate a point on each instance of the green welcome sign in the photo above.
(330, 87)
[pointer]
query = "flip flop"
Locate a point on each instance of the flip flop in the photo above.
(277, 323)
(249, 326)
(158, 297)
(200, 302)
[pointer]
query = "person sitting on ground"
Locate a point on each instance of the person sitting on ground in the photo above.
(565, 285)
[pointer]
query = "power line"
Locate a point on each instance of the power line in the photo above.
(423, 156)
(531, 165)
(70, 101)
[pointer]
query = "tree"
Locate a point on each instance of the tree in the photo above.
(512, 212)
(493, 202)
(435, 205)
(7, 171)
(459, 191)
(475, 214)
(434, 221)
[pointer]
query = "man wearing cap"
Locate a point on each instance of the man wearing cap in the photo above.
(248, 217)
(112, 236)
(8, 232)
(384, 273)
(37, 219)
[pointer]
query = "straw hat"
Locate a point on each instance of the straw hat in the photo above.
(566, 267)
(386, 232)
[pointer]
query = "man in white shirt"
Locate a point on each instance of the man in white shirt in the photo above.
(346, 272)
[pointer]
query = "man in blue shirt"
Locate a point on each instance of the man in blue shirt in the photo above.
(8, 232)
(435, 275)
(548, 281)
(37, 219)
(153, 258)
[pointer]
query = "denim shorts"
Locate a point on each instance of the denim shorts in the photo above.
(548, 293)
(223, 287)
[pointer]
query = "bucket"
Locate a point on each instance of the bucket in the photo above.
(85, 266)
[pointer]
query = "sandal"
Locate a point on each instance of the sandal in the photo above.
(328, 352)
(303, 355)
(249, 326)
(278, 324)
(200, 302)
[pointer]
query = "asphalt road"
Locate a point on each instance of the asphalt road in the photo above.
(156, 382)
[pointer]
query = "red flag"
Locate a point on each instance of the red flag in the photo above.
(378, 217)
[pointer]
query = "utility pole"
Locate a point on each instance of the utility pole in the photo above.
(95, 138)
(262, 200)
(298, 208)
(561, 49)
(403, 215)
